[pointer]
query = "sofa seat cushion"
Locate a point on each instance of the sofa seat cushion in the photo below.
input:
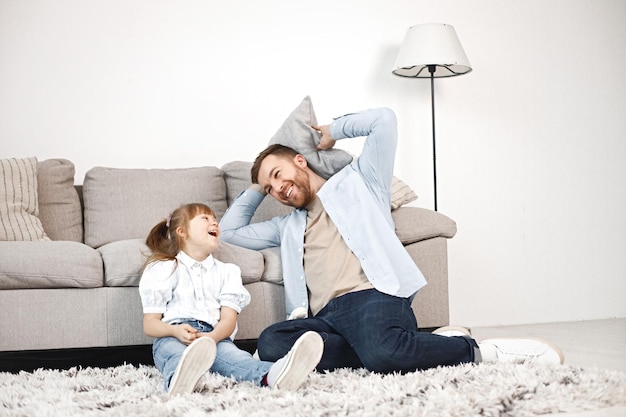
(414, 224)
(51, 264)
(249, 261)
(124, 261)
(273, 266)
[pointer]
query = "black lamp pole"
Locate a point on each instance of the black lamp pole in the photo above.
(431, 69)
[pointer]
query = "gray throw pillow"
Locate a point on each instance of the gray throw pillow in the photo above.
(297, 133)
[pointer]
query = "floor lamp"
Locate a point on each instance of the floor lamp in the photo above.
(431, 51)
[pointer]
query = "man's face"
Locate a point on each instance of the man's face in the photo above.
(287, 180)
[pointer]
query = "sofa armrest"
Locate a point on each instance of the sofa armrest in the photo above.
(414, 224)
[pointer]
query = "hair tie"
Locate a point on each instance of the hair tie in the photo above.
(168, 219)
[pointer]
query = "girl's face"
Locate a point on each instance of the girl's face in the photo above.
(202, 237)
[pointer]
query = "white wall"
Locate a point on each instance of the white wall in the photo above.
(531, 145)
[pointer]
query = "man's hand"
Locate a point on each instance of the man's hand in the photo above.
(258, 188)
(326, 141)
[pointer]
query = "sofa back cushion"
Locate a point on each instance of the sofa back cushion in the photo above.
(126, 203)
(237, 178)
(59, 205)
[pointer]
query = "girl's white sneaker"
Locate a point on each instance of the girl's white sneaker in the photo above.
(197, 359)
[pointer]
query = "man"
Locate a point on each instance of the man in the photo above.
(346, 274)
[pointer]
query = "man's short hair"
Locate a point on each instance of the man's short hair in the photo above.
(276, 150)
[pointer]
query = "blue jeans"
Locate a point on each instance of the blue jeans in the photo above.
(230, 361)
(369, 329)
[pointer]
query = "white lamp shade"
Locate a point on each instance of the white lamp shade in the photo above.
(432, 44)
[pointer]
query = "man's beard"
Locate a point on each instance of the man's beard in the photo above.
(303, 185)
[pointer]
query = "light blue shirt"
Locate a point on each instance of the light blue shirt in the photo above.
(357, 199)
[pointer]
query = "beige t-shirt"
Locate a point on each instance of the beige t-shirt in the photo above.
(330, 267)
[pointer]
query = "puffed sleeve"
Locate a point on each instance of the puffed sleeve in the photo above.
(155, 286)
(233, 294)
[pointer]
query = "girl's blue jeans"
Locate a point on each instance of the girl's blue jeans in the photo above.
(369, 329)
(230, 361)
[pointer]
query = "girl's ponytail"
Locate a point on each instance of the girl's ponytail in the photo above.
(163, 243)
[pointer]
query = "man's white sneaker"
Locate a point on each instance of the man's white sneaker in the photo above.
(196, 360)
(522, 349)
(290, 371)
(453, 331)
(297, 313)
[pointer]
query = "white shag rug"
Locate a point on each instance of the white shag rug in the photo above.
(467, 390)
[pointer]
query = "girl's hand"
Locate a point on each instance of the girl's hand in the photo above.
(185, 333)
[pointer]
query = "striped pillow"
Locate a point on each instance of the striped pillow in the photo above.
(18, 200)
(401, 193)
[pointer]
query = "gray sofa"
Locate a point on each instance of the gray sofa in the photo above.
(79, 289)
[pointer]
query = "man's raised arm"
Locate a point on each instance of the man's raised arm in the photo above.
(236, 227)
(376, 162)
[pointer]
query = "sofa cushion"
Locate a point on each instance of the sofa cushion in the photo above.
(401, 193)
(124, 261)
(249, 261)
(414, 224)
(273, 266)
(55, 264)
(126, 203)
(59, 206)
(237, 178)
(297, 133)
(19, 208)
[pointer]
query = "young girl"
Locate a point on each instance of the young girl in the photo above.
(191, 302)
